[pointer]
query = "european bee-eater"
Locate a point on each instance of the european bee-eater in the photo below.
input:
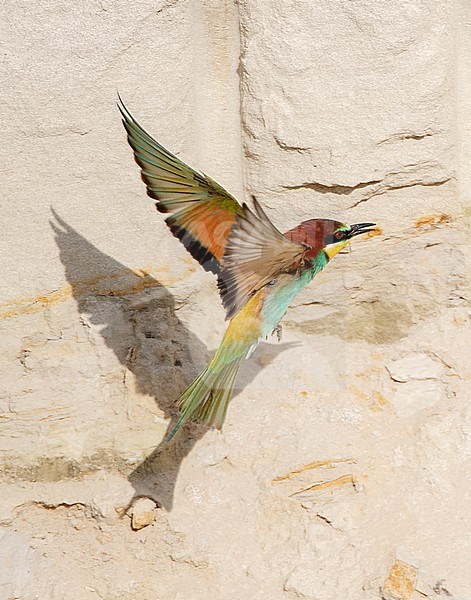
(259, 269)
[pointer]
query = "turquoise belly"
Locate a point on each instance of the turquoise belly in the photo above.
(284, 291)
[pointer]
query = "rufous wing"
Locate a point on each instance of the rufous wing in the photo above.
(202, 212)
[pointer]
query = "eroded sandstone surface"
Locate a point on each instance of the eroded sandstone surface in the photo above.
(342, 470)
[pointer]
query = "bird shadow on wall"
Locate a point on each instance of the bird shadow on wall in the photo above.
(137, 319)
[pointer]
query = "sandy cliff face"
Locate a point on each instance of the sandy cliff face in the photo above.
(341, 469)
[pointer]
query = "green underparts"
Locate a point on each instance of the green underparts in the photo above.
(277, 302)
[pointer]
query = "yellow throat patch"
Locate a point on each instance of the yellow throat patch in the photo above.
(332, 249)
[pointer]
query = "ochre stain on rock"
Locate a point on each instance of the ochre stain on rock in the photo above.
(400, 582)
(327, 485)
(376, 401)
(329, 463)
(433, 220)
(373, 233)
(99, 285)
(379, 402)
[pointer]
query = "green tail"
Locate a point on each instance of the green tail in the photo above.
(207, 398)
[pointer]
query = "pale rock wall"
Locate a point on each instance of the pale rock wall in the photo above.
(341, 469)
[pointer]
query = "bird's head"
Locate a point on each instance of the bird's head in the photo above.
(338, 235)
(327, 235)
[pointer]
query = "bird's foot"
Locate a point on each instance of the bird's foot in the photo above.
(278, 331)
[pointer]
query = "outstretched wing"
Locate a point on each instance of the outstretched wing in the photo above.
(256, 253)
(202, 212)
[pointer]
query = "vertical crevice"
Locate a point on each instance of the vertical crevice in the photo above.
(461, 14)
(241, 74)
(216, 87)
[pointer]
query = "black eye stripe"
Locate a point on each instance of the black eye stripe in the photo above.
(338, 236)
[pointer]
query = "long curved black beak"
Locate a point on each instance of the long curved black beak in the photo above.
(360, 228)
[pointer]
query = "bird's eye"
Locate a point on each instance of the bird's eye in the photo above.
(340, 235)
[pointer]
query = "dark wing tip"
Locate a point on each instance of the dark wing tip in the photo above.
(158, 205)
(227, 293)
(194, 247)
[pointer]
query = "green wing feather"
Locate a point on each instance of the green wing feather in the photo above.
(202, 212)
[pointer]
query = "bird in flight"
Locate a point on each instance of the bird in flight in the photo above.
(259, 269)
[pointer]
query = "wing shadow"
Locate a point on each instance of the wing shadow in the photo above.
(139, 323)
